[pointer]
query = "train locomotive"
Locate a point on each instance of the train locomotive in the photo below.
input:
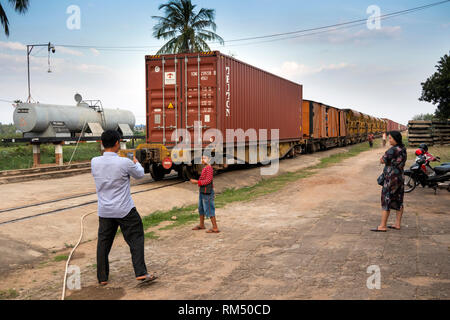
(195, 92)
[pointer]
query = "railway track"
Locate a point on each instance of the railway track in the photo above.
(168, 178)
(42, 173)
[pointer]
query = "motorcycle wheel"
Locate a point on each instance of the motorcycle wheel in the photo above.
(410, 184)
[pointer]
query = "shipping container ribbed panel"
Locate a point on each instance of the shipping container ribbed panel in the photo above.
(219, 92)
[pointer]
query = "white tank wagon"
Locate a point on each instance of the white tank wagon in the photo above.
(47, 120)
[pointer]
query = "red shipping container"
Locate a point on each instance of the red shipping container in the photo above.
(219, 92)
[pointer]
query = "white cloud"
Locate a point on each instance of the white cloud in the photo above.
(17, 46)
(92, 68)
(291, 69)
(364, 35)
(18, 63)
(72, 52)
(95, 52)
(12, 45)
(352, 36)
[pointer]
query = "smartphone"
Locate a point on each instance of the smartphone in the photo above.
(130, 155)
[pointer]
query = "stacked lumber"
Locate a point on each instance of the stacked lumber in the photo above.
(429, 132)
(420, 131)
(441, 132)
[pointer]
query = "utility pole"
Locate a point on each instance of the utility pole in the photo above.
(30, 48)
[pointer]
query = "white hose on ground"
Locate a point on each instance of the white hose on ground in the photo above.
(71, 253)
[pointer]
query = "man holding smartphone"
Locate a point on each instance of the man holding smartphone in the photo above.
(116, 207)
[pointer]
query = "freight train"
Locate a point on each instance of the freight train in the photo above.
(209, 90)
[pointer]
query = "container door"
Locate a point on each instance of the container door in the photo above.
(199, 94)
(163, 99)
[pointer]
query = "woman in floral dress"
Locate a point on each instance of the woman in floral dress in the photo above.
(393, 187)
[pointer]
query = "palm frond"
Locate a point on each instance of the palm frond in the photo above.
(4, 20)
(210, 36)
(20, 6)
(201, 24)
(185, 28)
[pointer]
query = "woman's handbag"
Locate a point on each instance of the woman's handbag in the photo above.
(380, 179)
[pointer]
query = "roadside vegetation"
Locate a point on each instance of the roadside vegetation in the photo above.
(438, 151)
(8, 294)
(20, 155)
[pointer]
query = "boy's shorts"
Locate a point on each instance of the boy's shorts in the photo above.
(206, 205)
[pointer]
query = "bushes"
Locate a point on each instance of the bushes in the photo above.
(21, 156)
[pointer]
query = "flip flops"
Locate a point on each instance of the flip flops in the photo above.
(393, 227)
(148, 278)
(198, 228)
(212, 231)
(377, 230)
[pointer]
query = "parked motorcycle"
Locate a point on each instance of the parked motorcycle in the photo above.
(416, 175)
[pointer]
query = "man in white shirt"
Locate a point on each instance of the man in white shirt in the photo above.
(116, 207)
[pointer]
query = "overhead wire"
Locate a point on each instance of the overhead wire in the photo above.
(276, 36)
(401, 12)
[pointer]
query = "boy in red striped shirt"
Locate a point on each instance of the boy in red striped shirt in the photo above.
(206, 197)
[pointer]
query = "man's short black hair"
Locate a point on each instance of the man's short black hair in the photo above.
(109, 138)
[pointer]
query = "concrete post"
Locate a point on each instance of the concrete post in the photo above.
(123, 145)
(36, 155)
(59, 160)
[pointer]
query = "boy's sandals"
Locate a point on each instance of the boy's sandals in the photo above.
(103, 283)
(212, 231)
(198, 228)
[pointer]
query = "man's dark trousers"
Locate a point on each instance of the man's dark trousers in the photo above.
(133, 233)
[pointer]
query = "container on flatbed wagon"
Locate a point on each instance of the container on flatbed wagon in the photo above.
(320, 121)
(323, 126)
(219, 92)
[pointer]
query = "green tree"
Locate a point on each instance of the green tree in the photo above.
(20, 6)
(436, 89)
(424, 116)
(8, 131)
(186, 29)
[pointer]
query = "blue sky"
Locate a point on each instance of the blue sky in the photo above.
(374, 71)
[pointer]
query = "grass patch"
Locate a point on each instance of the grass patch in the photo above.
(266, 186)
(8, 294)
(151, 235)
(183, 214)
(352, 152)
(21, 156)
(61, 257)
(438, 151)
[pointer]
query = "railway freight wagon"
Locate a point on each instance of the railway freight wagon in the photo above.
(203, 91)
(392, 125)
(357, 126)
(323, 126)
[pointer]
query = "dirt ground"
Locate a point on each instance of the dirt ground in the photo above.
(309, 240)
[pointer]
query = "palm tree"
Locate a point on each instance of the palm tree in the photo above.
(185, 28)
(20, 6)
